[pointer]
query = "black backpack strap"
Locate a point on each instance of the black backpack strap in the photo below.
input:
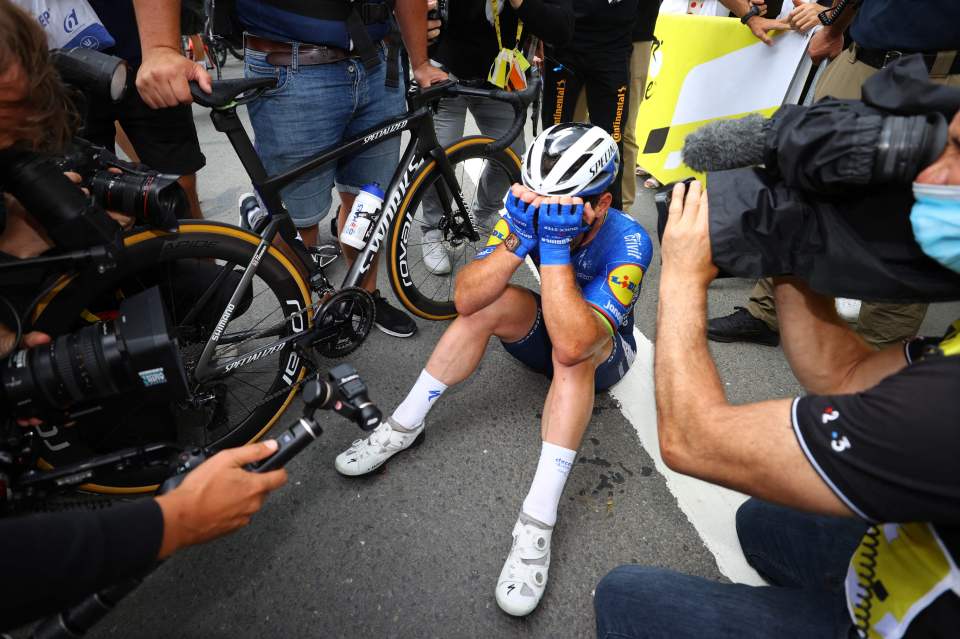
(364, 46)
(394, 46)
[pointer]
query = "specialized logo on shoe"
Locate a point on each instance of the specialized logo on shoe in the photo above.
(510, 588)
(624, 282)
(432, 395)
(499, 233)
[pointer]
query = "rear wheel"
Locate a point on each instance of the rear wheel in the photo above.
(202, 261)
(421, 291)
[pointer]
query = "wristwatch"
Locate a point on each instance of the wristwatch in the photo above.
(511, 243)
(754, 11)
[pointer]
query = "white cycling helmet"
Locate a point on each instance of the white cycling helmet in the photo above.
(573, 159)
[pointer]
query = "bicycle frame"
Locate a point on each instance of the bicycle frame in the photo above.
(423, 146)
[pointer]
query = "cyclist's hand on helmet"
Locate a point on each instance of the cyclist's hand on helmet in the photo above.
(521, 208)
(561, 220)
(217, 498)
(164, 76)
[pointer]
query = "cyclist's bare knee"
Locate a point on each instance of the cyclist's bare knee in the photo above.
(508, 317)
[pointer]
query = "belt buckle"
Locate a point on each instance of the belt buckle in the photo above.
(889, 57)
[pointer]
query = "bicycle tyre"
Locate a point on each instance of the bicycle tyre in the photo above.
(411, 293)
(59, 310)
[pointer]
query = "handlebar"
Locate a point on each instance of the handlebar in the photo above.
(231, 93)
(517, 99)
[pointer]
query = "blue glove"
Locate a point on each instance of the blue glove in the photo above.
(520, 219)
(559, 224)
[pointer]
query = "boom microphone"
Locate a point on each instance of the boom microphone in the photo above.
(727, 144)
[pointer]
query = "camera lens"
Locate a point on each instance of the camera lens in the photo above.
(156, 200)
(72, 369)
(133, 353)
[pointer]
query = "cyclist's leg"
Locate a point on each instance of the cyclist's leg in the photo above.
(510, 317)
(288, 128)
(449, 123)
(608, 100)
(493, 118)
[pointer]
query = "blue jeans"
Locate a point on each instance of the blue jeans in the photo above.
(314, 107)
(803, 556)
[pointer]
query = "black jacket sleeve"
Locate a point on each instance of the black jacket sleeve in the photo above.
(50, 561)
(550, 20)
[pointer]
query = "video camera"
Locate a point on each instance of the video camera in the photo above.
(823, 192)
(134, 353)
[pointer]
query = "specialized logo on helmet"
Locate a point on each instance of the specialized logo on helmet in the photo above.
(624, 282)
(500, 233)
(603, 161)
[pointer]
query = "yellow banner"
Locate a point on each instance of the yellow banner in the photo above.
(705, 68)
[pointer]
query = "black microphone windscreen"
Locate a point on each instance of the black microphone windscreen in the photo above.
(727, 144)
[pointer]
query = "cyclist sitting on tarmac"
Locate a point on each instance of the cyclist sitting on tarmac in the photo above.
(578, 330)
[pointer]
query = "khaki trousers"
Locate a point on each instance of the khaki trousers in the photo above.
(879, 324)
(639, 61)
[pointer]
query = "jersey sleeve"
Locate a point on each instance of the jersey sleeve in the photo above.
(890, 453)
(614, 292)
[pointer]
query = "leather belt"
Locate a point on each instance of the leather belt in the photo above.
(281, 53)
(937, 62)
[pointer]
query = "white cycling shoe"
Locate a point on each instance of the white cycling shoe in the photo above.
(367, 455)
(524, 575)
(435, 256)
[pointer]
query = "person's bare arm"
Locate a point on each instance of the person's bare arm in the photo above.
(750, 448)
(482, 281)
(164, 74)
(825, 354)
(412, 18)
(575, 329)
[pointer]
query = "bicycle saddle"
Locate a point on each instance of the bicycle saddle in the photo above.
(226, 91)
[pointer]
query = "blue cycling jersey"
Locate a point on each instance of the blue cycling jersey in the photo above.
(609, 269)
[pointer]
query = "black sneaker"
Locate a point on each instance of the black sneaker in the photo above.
(741, 326)
(390, 320)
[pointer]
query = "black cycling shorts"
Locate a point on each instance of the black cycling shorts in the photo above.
(535, 350)
(165, 139)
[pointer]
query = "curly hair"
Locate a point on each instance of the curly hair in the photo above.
(46, 114)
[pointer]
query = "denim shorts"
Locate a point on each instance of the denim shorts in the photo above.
(535, 350)
(314, 107)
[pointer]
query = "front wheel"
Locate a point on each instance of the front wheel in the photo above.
(420, 231)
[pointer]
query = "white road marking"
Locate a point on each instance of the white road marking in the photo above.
(711, 509)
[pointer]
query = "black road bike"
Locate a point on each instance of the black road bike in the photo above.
(249, 311)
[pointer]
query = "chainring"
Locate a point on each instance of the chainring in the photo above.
(350, 312)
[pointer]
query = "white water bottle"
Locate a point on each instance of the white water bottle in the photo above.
(361, 216)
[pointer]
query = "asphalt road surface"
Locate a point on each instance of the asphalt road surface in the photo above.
(415, 550)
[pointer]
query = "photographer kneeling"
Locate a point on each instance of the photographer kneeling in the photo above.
(873, 443)
(50, 561)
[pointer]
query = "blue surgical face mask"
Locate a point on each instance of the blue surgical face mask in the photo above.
(935, 218)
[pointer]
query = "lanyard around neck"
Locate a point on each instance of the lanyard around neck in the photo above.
(496, 25)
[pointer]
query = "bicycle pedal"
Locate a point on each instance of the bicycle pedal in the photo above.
(325, 254)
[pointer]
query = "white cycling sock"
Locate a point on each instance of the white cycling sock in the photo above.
(421, 397)
(552, 471)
